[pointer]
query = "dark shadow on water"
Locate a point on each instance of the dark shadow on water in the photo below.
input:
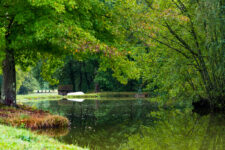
(214, 138)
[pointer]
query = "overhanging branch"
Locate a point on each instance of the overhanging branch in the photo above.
(177, 50)
(180, 40)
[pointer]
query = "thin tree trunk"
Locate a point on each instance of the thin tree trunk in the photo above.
(80, 84)
(207, 80)
(8, 95)
(86, 77)
(72, 78)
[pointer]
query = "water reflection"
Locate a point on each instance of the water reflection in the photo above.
(136, 124)
(180, 131)
(53, 132)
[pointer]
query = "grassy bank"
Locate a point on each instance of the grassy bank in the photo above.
(105, 94)
(101, 95)
(28, 117)
(21, 139)
(46, 96)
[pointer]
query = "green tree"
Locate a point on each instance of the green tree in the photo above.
(80, 74)
(36, 72)
(181, 47)
(20, 77)
(193, 30)
(33, 29)
(28, 85)
(107, 82)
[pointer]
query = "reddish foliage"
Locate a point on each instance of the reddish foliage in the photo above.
(30, 118)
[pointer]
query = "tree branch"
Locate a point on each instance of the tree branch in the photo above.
(180, 40)
(166, 38)
(176, 5)
(177, 50)
(184, 10)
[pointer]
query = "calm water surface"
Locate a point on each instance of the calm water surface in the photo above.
(135, 125)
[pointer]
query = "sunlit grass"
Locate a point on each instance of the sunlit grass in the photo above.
(21, 139)
(39, 96)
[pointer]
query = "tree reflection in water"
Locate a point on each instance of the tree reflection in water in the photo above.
(176, 130)
(53, 132)
(136, 124)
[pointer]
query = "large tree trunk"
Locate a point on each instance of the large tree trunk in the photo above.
(8, 94)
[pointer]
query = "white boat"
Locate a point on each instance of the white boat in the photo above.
(76, 100)
(76, 93)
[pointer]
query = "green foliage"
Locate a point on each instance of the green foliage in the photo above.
(28, 85)
(119, 65)
(83, 74)
(179, 47)
(174, 48)
(0, 84)
(20, 77)
(25, 138)
(36, 71)
(48, 69)
(38, 29)
(49, 31)
(107, 82)
(2, 38)
(80, 74)
(2, 45)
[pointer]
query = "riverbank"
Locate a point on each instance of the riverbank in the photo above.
(29, 117)
(20, 139)
(101, 95)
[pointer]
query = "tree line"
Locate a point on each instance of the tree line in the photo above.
(174, 48)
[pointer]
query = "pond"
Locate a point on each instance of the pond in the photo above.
(134, 125)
